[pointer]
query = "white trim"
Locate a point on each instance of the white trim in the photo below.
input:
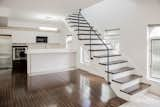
(148, 53)
(154, 80)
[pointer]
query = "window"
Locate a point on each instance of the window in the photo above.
(113, 37)
(154, 53)
(155, 58)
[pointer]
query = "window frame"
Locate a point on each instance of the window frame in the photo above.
(149, 52)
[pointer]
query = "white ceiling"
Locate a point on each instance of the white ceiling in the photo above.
(35, 9)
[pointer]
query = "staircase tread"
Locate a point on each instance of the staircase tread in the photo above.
(136, 88)
(84, 30)
(77, 22)
(81, 26)
(75, 16)
(75, 19)
(100, 49)
(105, 56)
(114, 62)
(120, 70)
(127, 78)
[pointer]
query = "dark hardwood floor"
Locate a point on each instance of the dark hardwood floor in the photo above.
(66, 89)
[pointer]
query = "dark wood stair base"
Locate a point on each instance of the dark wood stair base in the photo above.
(105, 56)
(136, 88)
(120, 70)
(113, 62)
(127, 79)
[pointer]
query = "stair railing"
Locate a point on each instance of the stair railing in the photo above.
(107, 67)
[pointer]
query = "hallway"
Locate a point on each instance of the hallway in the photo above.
(66, 89)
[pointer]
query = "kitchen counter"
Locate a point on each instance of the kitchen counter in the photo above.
(47, 51)
(45, 61)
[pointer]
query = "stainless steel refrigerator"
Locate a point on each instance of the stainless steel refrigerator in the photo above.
(5, 51)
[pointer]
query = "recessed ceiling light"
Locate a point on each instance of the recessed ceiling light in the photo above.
(49, 29)
(50, 18)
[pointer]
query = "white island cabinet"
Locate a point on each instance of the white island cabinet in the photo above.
(45, 61)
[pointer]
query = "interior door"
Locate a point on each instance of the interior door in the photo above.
(5, 51)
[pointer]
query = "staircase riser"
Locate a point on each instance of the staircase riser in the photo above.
(81, 24)
(139, 93)
(93, 41)
(117, 66)
(84, 31)
(121, 75)
(96, 47)
(110, 58)
(86, 36)
(120, 94)
(124, 86)
(81, 30)
(104, 52)
(99, 47)
(129, 84)
(101, 60)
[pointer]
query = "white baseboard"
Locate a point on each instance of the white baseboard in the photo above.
(50, 72)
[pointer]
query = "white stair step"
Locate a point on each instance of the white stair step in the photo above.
(136, 88)
(126, 79)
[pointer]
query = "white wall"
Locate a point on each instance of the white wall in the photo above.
(22, 36)
(4, 12)
(132, 17)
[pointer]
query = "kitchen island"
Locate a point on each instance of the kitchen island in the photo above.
(45, 61)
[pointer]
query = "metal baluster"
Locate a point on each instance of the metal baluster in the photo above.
(90, 43)
(108, 68)
(79, 22)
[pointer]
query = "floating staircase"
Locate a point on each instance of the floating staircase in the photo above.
(121, 76)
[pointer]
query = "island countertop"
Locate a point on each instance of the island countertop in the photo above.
(50, 60)
(48, 51)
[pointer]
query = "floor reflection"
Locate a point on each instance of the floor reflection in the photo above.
(66, 89)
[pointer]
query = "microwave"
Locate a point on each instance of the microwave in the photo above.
(41, 39)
